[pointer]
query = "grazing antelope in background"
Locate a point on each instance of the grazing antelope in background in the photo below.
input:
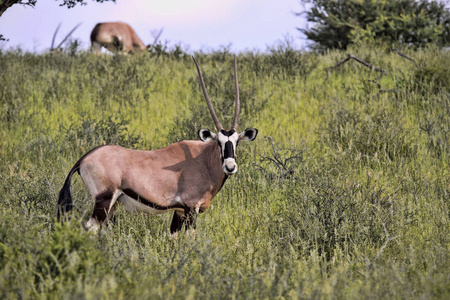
(116, 37)
(184, 176)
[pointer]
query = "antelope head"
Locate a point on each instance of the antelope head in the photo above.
(226, 139)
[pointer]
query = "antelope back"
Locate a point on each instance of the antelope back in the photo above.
(116, 36)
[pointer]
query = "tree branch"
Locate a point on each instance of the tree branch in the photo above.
(366, 64)
(350, 56)
(403, 55)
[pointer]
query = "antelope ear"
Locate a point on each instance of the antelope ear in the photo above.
(206, 135)
(249, 134)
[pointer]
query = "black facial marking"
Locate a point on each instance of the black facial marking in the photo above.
(228, 151)
(227, 133)
(132, 194)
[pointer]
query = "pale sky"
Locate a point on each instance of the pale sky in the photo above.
(197, 24)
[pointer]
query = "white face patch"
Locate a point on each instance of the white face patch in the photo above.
(230, 166)
(228, 149)
(228, 141)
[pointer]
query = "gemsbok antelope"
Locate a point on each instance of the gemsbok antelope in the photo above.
(184, 176)
(116, 37)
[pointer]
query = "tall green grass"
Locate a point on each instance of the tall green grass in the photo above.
(344, 194)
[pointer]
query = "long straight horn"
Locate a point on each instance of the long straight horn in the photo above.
(68, 35)
(208, 101)
(236, 108)
(54, 37)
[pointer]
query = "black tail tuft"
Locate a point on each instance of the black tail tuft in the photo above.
(65, 203)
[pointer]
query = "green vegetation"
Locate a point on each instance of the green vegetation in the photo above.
(336, 24)
(344, 194)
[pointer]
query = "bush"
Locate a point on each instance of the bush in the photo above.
(368, 135)
(90, 133)
(338, 24)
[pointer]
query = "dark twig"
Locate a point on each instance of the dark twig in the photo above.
(366, 64)
(275, 156)
(284, 165)
(381, 89)
(340, 63)
(388, 239)
(350, 56)
(403, 55)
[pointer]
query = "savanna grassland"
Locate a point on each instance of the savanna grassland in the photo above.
(344, 194)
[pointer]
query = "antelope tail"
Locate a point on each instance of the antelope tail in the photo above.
(65, 203)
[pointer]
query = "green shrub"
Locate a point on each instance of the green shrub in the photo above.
(369, 134)
(90, 133)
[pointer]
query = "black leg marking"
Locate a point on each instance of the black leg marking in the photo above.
(101, 206)
(132, 194)
(188, 219)
(177, 223)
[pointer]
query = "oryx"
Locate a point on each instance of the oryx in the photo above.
(116, 37)
(184, 176)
